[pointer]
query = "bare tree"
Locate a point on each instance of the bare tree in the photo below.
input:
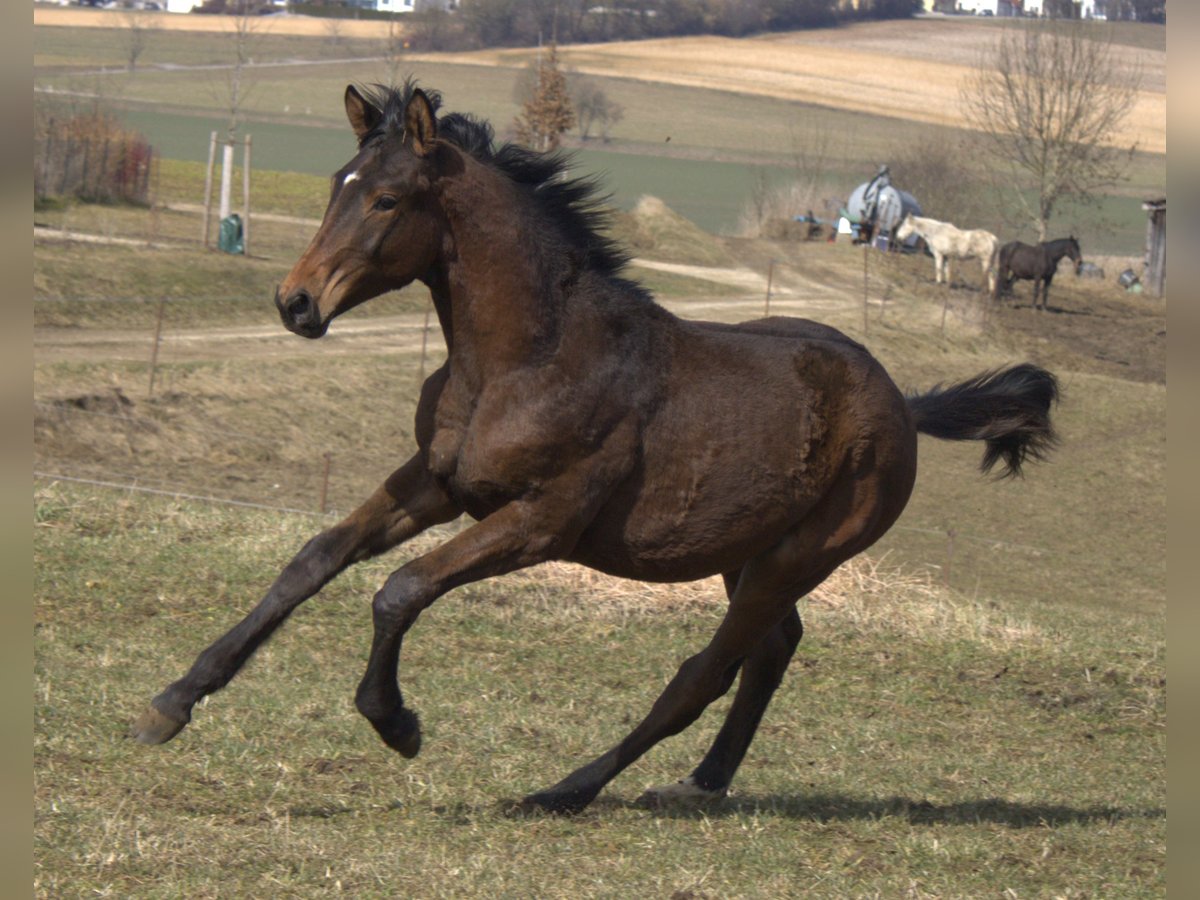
(1047, 100)
(138, 28)
(395, 42)
(593, 107)
(548, 113)
(941, 173)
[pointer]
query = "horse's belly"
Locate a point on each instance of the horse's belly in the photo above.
(699, 509)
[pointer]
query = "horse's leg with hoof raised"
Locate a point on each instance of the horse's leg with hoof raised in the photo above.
(762, 671)
(518, 535)
(406, 504)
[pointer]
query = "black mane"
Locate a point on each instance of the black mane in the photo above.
(575, 205)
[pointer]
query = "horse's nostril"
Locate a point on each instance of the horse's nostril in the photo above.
(299, 306)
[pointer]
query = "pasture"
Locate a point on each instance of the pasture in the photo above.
(770, 101)
(978, 707)
(1006, 731)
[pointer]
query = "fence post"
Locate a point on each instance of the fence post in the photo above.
(770, 273)
(162, 305)
(424, 342)
(208, 181)
(246, 197)
(950, 534)
(866, 288)
(325, 480)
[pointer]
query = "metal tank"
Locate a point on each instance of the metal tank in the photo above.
(878, 201)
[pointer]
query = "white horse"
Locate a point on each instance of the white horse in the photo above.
(947, 242)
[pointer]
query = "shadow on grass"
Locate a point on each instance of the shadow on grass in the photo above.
(834, 808)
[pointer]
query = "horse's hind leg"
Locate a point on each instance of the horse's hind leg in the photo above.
(848, 520)
(406, 504)
(762, 672)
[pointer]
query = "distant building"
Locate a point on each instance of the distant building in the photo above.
(402, 6)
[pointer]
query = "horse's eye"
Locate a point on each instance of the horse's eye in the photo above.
(387, 201)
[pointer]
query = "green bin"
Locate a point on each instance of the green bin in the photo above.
(229, 238)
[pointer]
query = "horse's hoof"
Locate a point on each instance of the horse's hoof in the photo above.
(401, 732)
(154, 727)
(681, 793)
(552, 803)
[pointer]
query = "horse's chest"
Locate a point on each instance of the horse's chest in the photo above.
(492, 453)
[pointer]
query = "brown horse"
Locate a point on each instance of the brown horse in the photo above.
(575, 419)
(1034, 262)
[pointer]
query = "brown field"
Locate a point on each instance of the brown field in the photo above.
(870, 68)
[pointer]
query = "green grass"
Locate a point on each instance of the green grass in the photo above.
(920, 745)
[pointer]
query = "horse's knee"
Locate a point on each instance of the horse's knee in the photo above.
(401, 599)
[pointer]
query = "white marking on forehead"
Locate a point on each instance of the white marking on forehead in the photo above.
(349, 178)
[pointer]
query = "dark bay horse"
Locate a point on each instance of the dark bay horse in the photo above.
(576, 419)
(1036, 262)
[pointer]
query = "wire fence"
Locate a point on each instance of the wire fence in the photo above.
(314, 482)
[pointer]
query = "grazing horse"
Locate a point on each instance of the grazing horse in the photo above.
(947, 242)
(1036, 262)
(575, 419)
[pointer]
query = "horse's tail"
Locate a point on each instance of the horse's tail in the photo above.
(1007, 408)
(999, 267)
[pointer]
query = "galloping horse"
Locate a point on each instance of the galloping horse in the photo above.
(576, 419)
(947, 242)
(1037, 262)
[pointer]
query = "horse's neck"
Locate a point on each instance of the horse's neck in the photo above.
(1056, 250)
(496, 310)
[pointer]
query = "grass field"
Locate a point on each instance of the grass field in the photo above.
(1004, 734)
(978, 708)
(924, 744)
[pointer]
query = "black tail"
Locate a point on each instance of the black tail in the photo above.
(1007, 408)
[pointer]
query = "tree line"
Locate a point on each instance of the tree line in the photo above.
(509, 23)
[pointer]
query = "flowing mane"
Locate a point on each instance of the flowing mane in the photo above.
(576, 206)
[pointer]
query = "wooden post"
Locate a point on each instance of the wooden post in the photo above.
(162, 305)
(155, 211)
(325, 480)
(424, 342)
(770, 273)
(208, 183)
(950, 533)
(246, 197)
(866, 288)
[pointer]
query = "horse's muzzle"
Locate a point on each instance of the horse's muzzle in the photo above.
(300, 314)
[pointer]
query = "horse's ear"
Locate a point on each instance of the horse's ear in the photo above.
(363, 115)
(420, 124)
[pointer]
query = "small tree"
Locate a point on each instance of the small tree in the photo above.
(548, 112)
(593, 108)
(138, 29)
(1047, 100)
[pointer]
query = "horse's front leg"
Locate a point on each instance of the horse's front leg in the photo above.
(407, 503)
(520, 534)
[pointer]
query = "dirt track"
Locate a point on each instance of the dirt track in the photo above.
(908, 70)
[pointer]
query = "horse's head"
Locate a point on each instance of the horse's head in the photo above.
(905, 229)
(382, 227)
(1074, 253)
